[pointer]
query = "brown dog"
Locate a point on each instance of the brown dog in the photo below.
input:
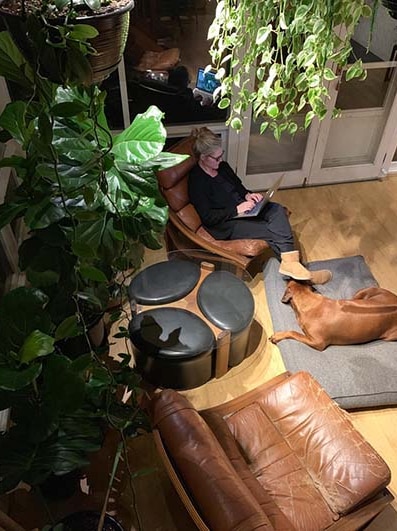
(371, 314)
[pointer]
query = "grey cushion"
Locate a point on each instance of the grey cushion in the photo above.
(355, 375)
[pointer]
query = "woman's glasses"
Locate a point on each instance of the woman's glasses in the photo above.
(217, 159)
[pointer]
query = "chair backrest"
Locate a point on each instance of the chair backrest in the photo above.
(173, 184)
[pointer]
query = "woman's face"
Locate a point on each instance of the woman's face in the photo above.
(214, 159)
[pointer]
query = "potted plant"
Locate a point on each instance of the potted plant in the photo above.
(54, 35)
(292, 49)
(90, 202)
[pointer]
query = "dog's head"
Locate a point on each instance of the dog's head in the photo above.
(294, 288)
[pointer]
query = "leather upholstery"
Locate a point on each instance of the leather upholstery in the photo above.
(283, 456)
(173, 184)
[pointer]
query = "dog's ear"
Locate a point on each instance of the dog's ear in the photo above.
(287, 295)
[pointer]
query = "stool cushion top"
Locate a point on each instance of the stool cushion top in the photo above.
(171, 333)
(226, 301)
(164, 282)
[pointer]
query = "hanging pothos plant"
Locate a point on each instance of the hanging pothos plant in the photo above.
(292, 47)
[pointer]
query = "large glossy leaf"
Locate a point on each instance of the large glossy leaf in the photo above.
(13, 65)
(13, 120)
(36, 345)
(143, 139)
(22, 311)
(10, 211)
(43, 213)
(14, 379)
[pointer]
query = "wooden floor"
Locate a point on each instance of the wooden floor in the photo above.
(330, 221)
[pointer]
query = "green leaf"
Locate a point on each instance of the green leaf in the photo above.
(13, 119)
(308, 118)
(224, 103)
(273, 110)
(10, 211)
(142, 140)
(36, 345)
(354, 70)
(69, 327)
(44, 213)
(12, 380)
(263, 33)
(68, 109)
(328, 74)
(236, 123)
(263, 127)
(93, 273)
(22, 310)
(13, 65)
(83, 32)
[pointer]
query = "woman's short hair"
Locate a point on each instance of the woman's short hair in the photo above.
(206, 142)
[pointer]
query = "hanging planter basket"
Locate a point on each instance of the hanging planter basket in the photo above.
(111, 40)
(112, 26)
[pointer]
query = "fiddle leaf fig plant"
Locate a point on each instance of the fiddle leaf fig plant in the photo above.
(279, 57)
(90, 203)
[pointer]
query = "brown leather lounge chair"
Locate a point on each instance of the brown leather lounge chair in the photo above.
(185, 230)
(282, 457)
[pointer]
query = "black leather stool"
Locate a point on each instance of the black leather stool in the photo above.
(227, 302)
(164, 282)
(173, 347)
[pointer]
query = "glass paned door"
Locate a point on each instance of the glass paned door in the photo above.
(356, 146)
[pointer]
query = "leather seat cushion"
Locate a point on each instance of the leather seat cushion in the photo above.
(288, 448)
(172, 333)
(226, 301)
(164, 282)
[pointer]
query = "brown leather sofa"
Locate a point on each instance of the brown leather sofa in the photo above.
(281, 457)
(185, 230)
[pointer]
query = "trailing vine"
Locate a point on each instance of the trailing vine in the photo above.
(279, 56)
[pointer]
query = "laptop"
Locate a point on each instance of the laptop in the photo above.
(206, 83)
(260, 205)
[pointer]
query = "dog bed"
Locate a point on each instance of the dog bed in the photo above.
(356, 376)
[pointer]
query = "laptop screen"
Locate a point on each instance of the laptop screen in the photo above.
(206, 81)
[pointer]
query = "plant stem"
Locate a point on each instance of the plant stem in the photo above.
(112, 476)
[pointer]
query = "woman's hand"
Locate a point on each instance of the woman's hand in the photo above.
(245, 206)
(254, 196)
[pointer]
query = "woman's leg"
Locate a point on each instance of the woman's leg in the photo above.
(273, 226)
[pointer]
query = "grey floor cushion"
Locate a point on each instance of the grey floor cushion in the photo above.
(356, 375)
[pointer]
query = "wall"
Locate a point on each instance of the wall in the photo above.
(384, 34)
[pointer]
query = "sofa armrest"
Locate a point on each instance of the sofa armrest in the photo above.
(210, 481)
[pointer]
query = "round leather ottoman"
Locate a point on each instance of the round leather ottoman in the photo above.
(227, 302)
(173, 347)
(164, 282)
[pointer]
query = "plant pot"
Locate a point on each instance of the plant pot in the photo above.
(110, 43)
(88, 521)
(112, 27)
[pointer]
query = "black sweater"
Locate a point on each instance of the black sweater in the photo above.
(216, 202)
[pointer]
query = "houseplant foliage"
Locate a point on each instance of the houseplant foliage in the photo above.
(90, 202)
(69, 41)
(291, 48)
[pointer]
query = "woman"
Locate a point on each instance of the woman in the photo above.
(219, 195)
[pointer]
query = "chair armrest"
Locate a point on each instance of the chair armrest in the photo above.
(210, 481)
